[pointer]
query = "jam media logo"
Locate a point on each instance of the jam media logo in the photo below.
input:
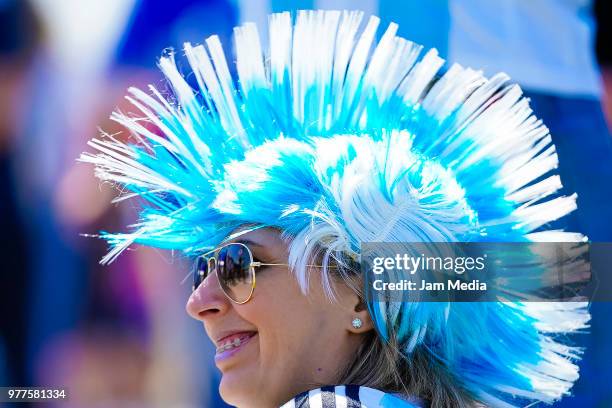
(474, 272)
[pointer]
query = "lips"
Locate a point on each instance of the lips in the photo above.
(233, 341)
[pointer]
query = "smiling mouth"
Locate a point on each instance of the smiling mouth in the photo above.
(232, 344)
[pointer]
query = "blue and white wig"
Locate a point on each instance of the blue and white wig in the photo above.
(337, 139)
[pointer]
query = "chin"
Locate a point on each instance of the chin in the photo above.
(239, 391)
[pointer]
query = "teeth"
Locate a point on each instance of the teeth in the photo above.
(232, 344)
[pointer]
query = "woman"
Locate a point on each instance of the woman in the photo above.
(329, 143)
(279, 342)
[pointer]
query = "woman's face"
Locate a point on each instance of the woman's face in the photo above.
(288, 342)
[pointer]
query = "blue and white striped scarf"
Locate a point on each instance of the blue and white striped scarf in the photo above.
(347, 396)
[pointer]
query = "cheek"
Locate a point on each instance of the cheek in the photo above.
(279, 311)
(290, 325)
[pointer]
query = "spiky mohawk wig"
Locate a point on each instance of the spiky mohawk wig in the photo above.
(337, 139)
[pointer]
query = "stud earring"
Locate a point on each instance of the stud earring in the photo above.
(357, 323)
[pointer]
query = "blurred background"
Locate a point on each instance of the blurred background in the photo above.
(118, 335)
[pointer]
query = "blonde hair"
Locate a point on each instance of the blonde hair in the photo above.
(381, 365)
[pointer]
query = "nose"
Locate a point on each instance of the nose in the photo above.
(208, 300)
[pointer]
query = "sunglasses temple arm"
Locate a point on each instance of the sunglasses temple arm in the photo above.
(256, 264)
(267, 264)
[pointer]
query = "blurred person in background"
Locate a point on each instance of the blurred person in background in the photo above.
(548, 46)
(47, 121)
(139, 298)
(72, 323)
(20, 33)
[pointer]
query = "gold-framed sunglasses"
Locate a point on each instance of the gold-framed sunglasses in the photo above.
(235, 270)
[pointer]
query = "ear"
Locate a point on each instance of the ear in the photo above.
(360, 311)
(348, 306)
(352, 307)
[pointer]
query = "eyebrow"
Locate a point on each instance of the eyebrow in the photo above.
(248, 242)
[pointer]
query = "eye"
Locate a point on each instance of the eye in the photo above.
(261, 267)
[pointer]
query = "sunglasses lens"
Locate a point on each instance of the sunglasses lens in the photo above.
(235, 272)
(200, 271)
